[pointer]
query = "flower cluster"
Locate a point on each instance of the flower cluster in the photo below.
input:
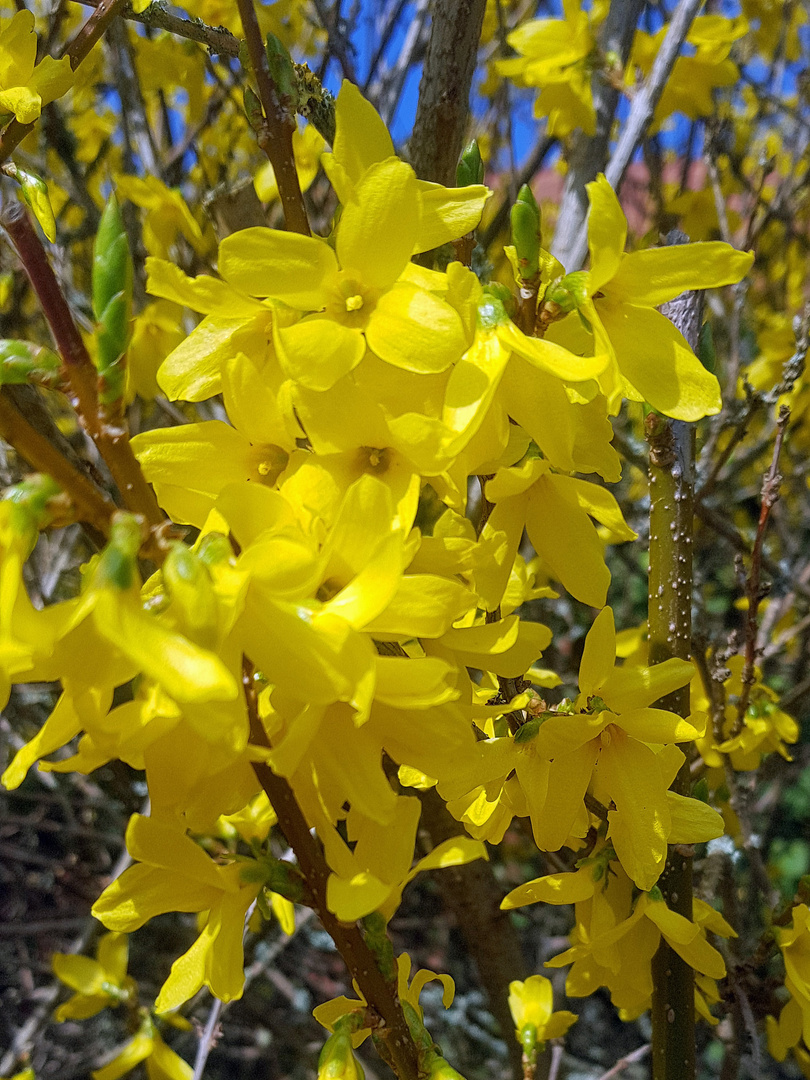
(336, 581)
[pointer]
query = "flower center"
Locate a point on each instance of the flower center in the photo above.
(354, 303)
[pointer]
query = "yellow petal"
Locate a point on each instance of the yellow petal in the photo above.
(447, 213)
(316, 352)
(416, 330)
(659, 274)
(656, 360)
(283, 265)
(607, 232)
(384, 205)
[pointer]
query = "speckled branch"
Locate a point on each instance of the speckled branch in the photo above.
(672, 486)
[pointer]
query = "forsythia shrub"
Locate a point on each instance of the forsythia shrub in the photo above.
(320, 624)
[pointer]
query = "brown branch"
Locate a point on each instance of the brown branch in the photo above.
(380, 994)
(218, 40)
(76, 51)
(444, 91)
(78, 371)
(91, 506)
(279, 124)
(753, 586)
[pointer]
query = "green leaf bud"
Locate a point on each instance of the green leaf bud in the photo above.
(282, 71)
(570, 292)
(525, 220)
(116, 565)
(34, 192)
(470, 168)
(112, 301)
(253, 108)
(25, 362)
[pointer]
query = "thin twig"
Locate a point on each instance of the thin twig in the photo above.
(279, 124)
(589, 153)
(629, 1059)
(753, 586)
(648, 95)
(91, 506)
(218, 40)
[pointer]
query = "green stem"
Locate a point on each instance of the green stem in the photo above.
(671, 472)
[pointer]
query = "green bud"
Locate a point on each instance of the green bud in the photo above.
(112, 301)
(701, 790)
(215, 548)
(286, 880)
(470, 168)
(570, 292)
(25, 362)
(439, 1068)
(253, 108)
(34, 193)
(525, 219)
(336, 1061)
(656, 894)
(282, 71)
(495, 305)
(116, 564)
(31, 499)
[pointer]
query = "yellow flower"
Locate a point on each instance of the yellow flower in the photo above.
(357, 294)
(559, 55)
(26, 86)
(531, 1004)
(650, 359)
(148, 1047)
(173, 873)
(99, 983)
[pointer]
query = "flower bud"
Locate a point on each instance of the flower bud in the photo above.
(112, 301)
(282, 71)
(34, 193)
(116, 564)
(470, 168)
(336, 1061)
(525, 219)
(568, 293)
(25, 362)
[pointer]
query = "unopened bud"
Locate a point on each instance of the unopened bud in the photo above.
(525, 220)
(470, 168)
